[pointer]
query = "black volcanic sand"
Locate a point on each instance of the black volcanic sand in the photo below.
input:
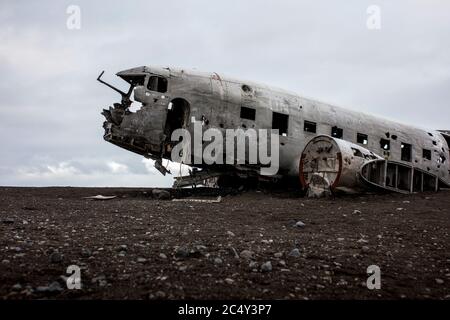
(137, 247)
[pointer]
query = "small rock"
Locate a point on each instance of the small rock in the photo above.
(253, 265)
(266, 266)
(229, 281)
(86, 253)
(365, 249)
(160, 294)
(231, 234)
(5, 261)
(161, 194)
(294, 253)
(182, 252)
(56, 257)
(439, 281)
(278, 255)
(99, 279)
(122, 247)
(141, 260)
(218, 261)
(182, 268)
(17, 287)
(246, 254)
(282, 263)
(55, 287)
(357, 211)
(162, 256)
(299, 224)
(340, 239)
(41, 289)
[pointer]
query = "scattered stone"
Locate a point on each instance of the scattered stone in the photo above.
(41, 289)
(400, 209)
(5, 261)
(299, 224)
(141, 260)
(234, 252)
(294, 253)
(160, 294)
(357, 211)
(218, 261)
(182, 268)
(17, 287)
(253, 265)
(246, 254)
(55, 287)
(122, 247)
(282, 263)
(86, 253)
(229, 281)
(340, 239)
(182, 252)
(56, 257)
(439, 281)
(266, 266)
(7, 220)
(278, 255)
(365, 249)
(162, 256)
(99, 278)
(161, 194)
(231, 234)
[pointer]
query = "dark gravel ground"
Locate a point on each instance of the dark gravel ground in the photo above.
(138, 247)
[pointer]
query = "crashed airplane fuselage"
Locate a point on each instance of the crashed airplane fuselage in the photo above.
(325, 147)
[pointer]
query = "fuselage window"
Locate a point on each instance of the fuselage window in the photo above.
(362, 138)
(310, 126)
(385, 144)
(248, 113)
(406, 152)
(280, 121)
(426, 154)
(337, 132)
(158, 84)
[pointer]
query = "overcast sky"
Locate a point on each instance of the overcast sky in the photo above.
(50, 122)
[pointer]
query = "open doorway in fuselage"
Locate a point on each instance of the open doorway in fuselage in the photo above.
(178, 112)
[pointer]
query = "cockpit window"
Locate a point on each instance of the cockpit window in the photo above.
(158, 84)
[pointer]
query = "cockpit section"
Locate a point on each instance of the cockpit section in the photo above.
(143, 129)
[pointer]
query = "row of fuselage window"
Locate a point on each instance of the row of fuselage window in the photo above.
(280, 121)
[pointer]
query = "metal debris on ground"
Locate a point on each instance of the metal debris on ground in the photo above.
(219, 199)
(100, 197)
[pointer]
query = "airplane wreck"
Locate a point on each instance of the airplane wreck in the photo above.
(322, 148)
